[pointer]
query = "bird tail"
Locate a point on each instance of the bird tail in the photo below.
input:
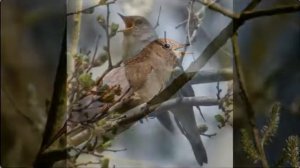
(198, 149)
(185, 119)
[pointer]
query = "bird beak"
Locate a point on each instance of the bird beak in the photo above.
(128, 23)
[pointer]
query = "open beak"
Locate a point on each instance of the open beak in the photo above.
(128, 23)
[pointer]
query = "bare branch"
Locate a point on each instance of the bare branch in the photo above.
(269, 12)
(108, 36)
(94, 56)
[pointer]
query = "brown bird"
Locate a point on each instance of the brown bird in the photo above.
(144, 76)
(158, 62)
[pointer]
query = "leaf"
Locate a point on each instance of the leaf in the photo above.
(101, 21)
(86, 81)
(109, 98)
(219, 118)
(100, 60)
(102, 89)
(202, 128)
(270, 129)
(113, 29)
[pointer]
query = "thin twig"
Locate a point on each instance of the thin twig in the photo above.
(181, 24)
(115, 150)
(269, 12)
(107, 71)
(108, 36)
(158, 17)
(94, 56)
(89, 8)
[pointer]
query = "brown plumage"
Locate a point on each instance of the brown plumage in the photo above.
(146, 74)
(149, 71)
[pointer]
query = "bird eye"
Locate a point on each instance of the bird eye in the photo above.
(167, 45)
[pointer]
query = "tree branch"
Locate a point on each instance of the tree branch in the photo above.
(143, 110)
(90, 8)
(208, 76)
(249, 109)
(269, 12)
(108, 36)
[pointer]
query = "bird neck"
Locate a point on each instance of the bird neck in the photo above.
(133, 44)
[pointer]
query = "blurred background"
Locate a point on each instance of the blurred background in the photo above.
(31, 40)
(31, 35)
(270, 62)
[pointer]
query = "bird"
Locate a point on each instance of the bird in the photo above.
(135, 39)
(138, 33)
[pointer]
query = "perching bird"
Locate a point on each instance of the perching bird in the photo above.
(138, 33)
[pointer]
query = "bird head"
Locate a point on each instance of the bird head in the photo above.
(173, 45)
(136, 25)
(138, 33)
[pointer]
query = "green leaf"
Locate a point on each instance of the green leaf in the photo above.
(101, 20)
(113, 29)
(219, 118)
(102, 89)
(202, 128)
(106, 144)
(100, 60)
(86, 81)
